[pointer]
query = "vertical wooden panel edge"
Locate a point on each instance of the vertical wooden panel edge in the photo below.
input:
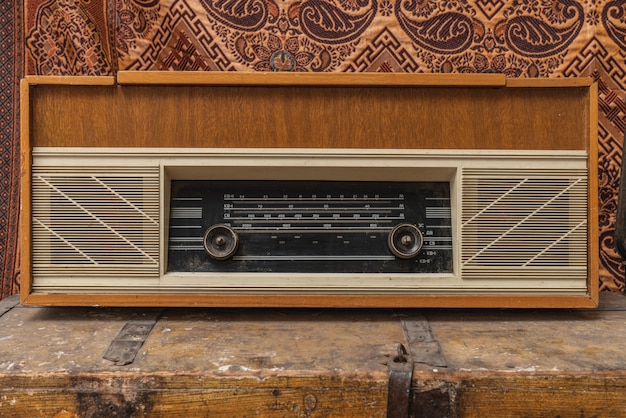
(593, 218)
(25, 195)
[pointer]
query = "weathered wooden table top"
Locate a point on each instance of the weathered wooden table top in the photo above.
(279, 362)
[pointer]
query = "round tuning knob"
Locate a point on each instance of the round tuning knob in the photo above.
(220, 242)
(405, 241)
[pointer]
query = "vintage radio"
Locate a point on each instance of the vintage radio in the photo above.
(309, 190)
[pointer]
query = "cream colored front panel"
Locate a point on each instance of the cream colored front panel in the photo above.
(100, 218)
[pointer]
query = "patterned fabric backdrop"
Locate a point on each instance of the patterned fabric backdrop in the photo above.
(11, 70)
(520, 38)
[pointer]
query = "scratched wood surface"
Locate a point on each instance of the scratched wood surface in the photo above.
(539, 363)
(197, 361)
(283, 363)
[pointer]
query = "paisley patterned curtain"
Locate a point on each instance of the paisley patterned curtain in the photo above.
(520, 38)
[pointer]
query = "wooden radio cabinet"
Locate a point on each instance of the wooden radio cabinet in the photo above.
(309, 190)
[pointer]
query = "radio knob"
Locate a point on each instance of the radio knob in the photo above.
(220, 242)
(405, 241)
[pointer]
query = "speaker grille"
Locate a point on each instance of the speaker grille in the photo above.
(524, 224)
(95, 222)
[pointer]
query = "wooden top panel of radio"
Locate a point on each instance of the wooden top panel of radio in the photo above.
(418, 111)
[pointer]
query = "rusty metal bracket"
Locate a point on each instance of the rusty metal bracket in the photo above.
(400, 377)
(423, 345)
(422, 348)
(124, 348)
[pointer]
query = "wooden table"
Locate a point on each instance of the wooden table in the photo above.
(301, 363)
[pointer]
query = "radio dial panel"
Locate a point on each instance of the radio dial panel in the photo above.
(310, 226)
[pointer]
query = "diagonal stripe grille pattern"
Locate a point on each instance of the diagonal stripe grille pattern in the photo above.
(96, 221)
(524, 223)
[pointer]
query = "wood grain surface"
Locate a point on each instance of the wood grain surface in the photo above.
(554, 118)
(314, 363)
